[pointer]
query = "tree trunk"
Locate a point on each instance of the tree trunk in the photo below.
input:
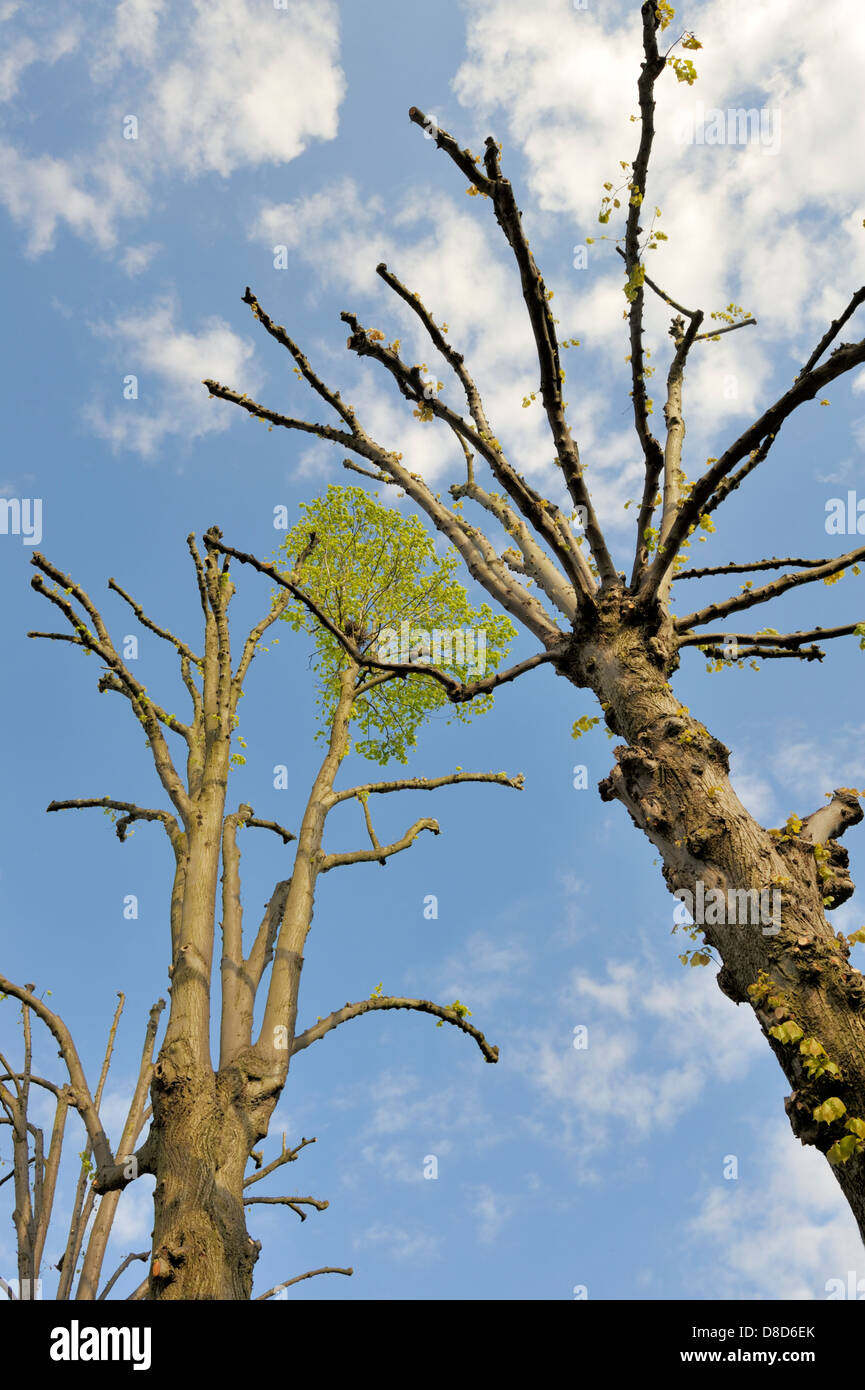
(201, 1247)
(672, 776)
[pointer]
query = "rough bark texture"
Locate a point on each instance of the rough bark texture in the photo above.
(672, 776)
(201, 1247)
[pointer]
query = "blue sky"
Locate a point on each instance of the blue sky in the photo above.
(260, 128)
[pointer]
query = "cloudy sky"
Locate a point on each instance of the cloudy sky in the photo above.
(155, 159)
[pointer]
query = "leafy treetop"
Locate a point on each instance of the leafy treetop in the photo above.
(372, 569)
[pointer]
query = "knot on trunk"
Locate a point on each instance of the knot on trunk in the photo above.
(820, 833)
(833, 872)
(802, 1122)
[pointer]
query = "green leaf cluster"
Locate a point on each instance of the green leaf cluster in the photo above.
(370, 569)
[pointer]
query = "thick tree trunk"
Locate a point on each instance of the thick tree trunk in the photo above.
(201, 1247)
(672, 776)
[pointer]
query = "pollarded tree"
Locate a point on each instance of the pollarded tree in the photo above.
(615, 634)
(208, 1117)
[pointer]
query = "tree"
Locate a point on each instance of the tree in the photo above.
(760, 896)
(207, 1119)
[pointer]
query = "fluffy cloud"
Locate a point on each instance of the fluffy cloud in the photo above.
(214, 86)
(170, 364)
(48, 46)
(418, 1246)
(454, 261)
(682, 1026)
(783, 1232)
(775, 226)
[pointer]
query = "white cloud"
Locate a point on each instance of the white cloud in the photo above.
(135, 259)
(400, 1244)
(492, 1210)
(48, 47)
(688, 1031)
(253, 86)
(133, 1221)
(814, 767)
(170, 364)
(215, 86)
(43, 192)
(781, 1232)
(755, 794)
(562, 83)
(483, 971)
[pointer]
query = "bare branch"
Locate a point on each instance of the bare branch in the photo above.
(379, 853)
(534, 562)
(131, 813)
(143, 1255)
(81, 1097)
(412, 386)
(769, 639)
(537, 301)
(120, 678)
(832, 331)
(294, 1202)
(751, 597)
(287, 835)
(735, 568)
(286, 1156)
(758, 437)
(261, 412)
(428, 784)
(513, 597)
(124, 1171)
(142, 617)
(651, 69)
(310, 1274)
(426, 1006)
(730, 328)
(764, 653)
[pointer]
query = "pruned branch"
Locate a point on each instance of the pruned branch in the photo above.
(754, 440)
(752, 597)
(142, 617)
(746, 568)
(296, 1203)
(379, 853)
(426, 1006)
(287, 835)
(310, 1274)
(286, 1156)
(141, 1255)
(768, 639)
(80, 1095)
(830, 822)
(130, 811)
(428, 784)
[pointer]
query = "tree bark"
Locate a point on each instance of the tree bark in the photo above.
(201, 1247)
(672, 776)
